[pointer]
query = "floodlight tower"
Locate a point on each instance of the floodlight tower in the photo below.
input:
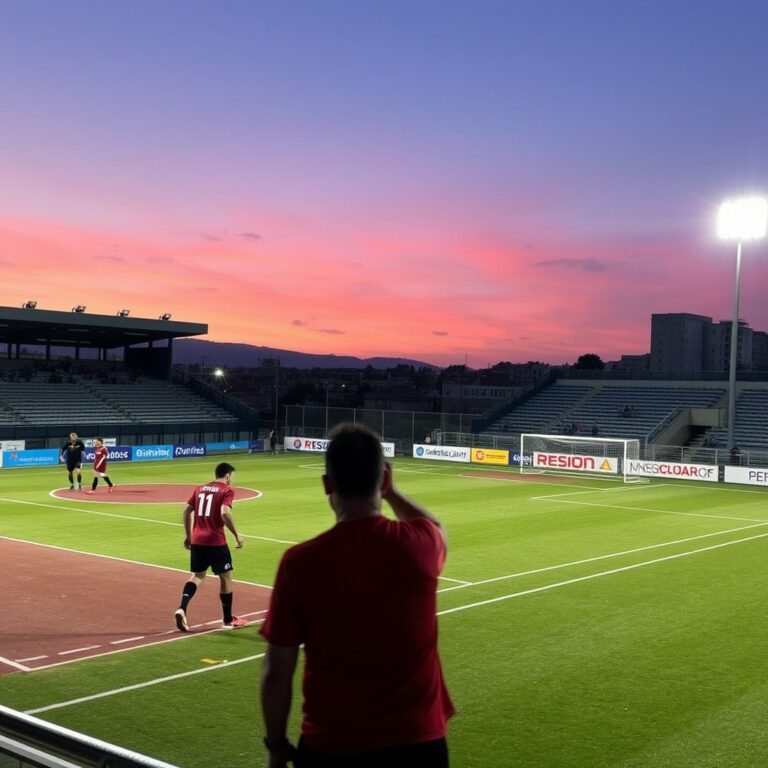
(742, 219)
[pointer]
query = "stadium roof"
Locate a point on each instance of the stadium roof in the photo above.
(78, 329)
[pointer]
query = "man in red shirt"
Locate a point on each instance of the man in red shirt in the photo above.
(361, 598)
(207, 514)
(100, 455)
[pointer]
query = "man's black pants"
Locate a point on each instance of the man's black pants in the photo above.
(425, 754)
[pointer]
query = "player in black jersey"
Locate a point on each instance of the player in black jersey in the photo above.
(72, 454)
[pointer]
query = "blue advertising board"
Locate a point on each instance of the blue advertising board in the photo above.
(514, 458)
(114, 453)
(42, 457)
(152, 452)
(182, 451)
(232, 445)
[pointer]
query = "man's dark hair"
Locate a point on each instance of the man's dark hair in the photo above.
(223, 469)
(354, 461)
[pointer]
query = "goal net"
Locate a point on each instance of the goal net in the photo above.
(605, 456)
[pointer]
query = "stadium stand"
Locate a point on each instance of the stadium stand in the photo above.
(617, 410)
(751, 430)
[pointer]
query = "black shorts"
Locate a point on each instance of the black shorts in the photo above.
(425, 754)
(218, 559)
(72, 466)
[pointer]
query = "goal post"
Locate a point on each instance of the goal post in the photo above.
(604, 456)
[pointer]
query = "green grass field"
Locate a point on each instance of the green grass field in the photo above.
(582, 622)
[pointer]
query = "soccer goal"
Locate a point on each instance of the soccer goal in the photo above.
(606, 456)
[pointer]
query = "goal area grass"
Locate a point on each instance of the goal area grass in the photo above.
(584, 622)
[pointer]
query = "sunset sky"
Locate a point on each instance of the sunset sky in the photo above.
(443, 180)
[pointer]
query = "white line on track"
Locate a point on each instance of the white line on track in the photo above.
(119, 559)
(78, 650)
(14, 664)
(545, 588)
(611, 572)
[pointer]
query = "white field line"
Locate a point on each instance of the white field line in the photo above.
(119, 559)
(558, 498)
(14, 664)
(139, 686)
(181, 675)
(602, 557)
(611, 572)
(61, 508)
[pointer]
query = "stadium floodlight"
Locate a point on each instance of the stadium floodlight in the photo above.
(79, 308)
(124, 313)
(218, 373)
(29, 305)
(166, 316)
(741, 219)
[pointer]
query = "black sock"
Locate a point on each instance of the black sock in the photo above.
(94, 483)
(109, 482)
(187, 594)
(226, 604)
(71, 478)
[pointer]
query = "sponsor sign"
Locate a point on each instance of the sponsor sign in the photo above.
(747, 475)
(671, 469)
(576, 462)
(441, 453)
(43, 457)
(108, 441)
(12, 445)
(232, 445)
(514, 458)
(152, 452)
(114, 453)
(316, 445)
(490, 456)
(181, 451)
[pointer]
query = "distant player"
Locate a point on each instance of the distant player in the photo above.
(72, 455)
(100, 456)
(207, 514)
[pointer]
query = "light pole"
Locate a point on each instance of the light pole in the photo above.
(742, 219)
(327, 387)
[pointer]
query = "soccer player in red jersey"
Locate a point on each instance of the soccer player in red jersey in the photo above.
(207, 514)
(361, 598)
(100, 455)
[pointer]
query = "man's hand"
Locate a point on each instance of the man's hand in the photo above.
(187, 545)
(281, 759)
(240, 541)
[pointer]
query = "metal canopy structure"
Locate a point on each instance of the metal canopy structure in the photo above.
(87, 331)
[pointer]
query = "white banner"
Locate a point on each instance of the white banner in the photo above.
(441, 453)
(110, 442)
(671, 469)
(13, 445)
(576, 462)
(315, 445)
(746, 475)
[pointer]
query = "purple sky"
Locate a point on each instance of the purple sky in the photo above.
(440, 180)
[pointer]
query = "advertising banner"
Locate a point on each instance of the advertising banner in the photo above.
(490, 456)
(43, 457)
(232, 445)
(673, 470)
(316, 445)
(152, 452)
(114, 453)
(182, 451)
(110, 442)
(514, 458)
(746, 475)
(576, 462)
(441, 453)
(12, 445)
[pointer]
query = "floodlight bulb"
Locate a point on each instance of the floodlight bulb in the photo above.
(743, 219)
(218, 372)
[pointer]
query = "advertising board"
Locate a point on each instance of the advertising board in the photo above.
(317, 445)
(43, 457)
(152, 452)
(441, 453)
(672, 470)
(747, 475)
(576, 462)
(490, 456)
